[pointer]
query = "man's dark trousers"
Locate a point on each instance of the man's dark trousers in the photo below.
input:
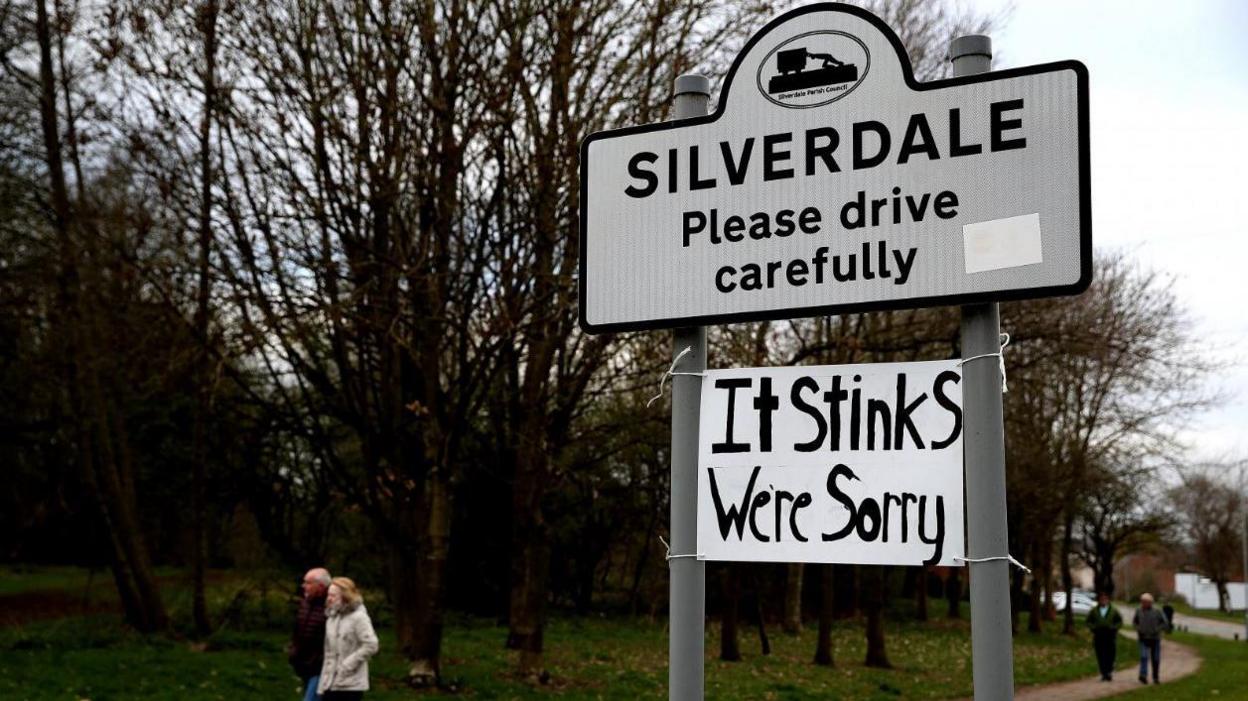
(1106, 644)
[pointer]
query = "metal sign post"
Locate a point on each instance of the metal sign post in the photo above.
(687, 586)
(992, 642)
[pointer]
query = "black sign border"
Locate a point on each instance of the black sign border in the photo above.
(1085, 191)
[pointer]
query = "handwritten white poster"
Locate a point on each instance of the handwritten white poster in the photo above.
(838, 463)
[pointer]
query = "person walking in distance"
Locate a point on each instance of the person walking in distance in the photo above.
(1104, 622)
(1149, 624)
(349, 642)
(307, 642)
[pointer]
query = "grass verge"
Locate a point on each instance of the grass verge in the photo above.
(591, 658)
(1223, 673)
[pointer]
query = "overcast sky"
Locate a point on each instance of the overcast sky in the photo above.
(1169, 104)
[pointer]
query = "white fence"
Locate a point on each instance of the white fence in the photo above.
(1202, 593)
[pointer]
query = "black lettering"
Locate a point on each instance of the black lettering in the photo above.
(796, 272)
(879, 408)
(999, 125)
(765, 404)
(956, 148)
(837, 494)
(780, 499)
(853, 214)
(784, 223)
(808, 384)
(938, 391)
(803, 500)
(904, 424)
(694, 222)
(760, 500)
(905, 515)
(860, 128)
(869, 508)
(751, 277)
(735, 516)
(809, 220)
(824, 152)
(946, 205)
(696, 183)
(771, 157)
(732, 384)
(939, 540)
(889, 497)
(636, 171)
(918, 127)
(737, 170)
(672, 163)
(760, 226)
(833, 398)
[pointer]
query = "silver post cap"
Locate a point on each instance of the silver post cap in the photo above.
(970, 45)
(693, 83)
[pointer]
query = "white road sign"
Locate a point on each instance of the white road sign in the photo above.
(838, 463)
(828, 180)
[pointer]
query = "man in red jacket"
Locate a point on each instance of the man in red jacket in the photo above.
(307, 642)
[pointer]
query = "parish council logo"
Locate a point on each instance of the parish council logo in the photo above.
(813, 69)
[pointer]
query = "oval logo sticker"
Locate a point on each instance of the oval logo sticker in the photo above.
(813, 69)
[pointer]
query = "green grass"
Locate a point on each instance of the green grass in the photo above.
(19, 579)
(1233, 616)
(1223, 673)
(592, 658)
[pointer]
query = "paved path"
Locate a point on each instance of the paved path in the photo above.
(1194, 624)
(1176, 661)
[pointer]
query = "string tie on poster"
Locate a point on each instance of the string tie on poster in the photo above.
(668, 552)
(999, 355)
(1007, 557)
(671, 372)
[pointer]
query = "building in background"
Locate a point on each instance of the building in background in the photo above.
(1201, 593)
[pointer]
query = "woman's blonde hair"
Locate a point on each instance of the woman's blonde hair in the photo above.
(350, 592)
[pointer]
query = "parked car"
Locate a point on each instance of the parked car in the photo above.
(1082, 601)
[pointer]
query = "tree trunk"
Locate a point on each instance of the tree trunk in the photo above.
(845, 590)
(1046, 566)
(1068, 581)
(763, 642)
(953, 592)
(1224, 596)
(920, 595)
(873, 582)
(910, 576)
(207, 16)
(729, 647)
(794, 572)
(1034, 614)
(827, 611)
(103, 452)
(1016, 598)
(421, 586)
(530, 559)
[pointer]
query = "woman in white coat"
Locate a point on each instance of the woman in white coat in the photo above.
(349, 642)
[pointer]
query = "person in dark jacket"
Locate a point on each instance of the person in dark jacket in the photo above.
(1104, 622)
(306, 651)
(1149, 624)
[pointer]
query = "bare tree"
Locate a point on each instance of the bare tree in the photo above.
(91, 285)
(1210, 505)
(1123, 512)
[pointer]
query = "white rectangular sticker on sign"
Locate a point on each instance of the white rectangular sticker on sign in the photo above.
(1002, 243)
(841, 463)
